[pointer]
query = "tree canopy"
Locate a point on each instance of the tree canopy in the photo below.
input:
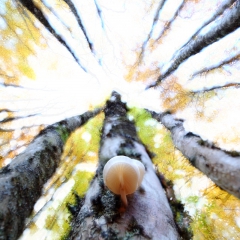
(176, 66)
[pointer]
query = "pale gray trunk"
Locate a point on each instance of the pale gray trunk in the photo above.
(221, 166)
(22, 180)
(229, 22)
(148, 215)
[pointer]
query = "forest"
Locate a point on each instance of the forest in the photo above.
(155, 82)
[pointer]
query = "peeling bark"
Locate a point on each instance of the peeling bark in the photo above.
(222, 167)
(22, 180)
(148, 215)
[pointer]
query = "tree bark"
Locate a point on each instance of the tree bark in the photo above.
(22, 180)
(229, 23)
(148, 215)
(222, 167)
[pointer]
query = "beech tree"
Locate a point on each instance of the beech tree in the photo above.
(82, 82)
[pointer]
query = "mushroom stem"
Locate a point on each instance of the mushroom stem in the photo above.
(123, 196)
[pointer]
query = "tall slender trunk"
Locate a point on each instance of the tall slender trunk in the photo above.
(219, 165)
(148, 215)
(22, 180)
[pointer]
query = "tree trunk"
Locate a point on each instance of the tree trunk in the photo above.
(102, 216)
(22, 180)
(219, 165)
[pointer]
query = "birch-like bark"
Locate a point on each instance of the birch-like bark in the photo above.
(222, 167)
(229, 23)
(148, 215)
(22, 180)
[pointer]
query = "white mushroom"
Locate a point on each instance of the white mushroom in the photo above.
(123, 175)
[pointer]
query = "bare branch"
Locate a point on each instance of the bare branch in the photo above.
(237, 85)
(206, 70)
(228, 23)
(79, 20)
(29, 4)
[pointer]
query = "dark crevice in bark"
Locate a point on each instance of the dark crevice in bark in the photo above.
(22, 180)
(221, 166)
(229, 23)
(181, 217)
(29, 4)
(74, 11)
(75, 208)
(102, 214)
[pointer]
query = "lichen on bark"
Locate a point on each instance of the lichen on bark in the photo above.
(148, 215)
(22, 180)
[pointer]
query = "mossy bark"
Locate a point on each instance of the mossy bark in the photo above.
(22, 180)
(102, 216)
(221, 166)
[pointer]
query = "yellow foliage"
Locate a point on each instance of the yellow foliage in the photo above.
(20, 138)
(173, 95)
(217, 217)
(139, 71)
(17, 43)
(80, 148)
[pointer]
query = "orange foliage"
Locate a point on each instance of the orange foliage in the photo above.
(135, 72)
(173, 95)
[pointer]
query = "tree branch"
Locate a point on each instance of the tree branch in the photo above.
(236, 85)
(29, 4)
(74, 11)
(229, 23)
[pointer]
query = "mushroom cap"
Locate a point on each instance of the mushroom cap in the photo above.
(123, 173)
